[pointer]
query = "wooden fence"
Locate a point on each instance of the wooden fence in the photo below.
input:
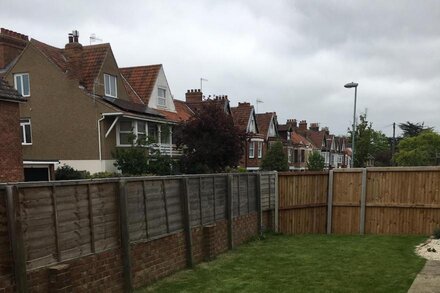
(359, 201)
(45, 223)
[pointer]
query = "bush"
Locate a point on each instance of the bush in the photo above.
(275, 158)
(315, 162)
(104, 175)
(66, 172)
(436, 233)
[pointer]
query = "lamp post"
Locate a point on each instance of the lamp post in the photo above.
(353, 85)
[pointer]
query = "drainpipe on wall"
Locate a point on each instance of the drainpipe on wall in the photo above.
(99, 141)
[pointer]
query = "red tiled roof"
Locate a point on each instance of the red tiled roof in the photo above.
(316, 137)
(298, 139)
(142, 79)
(53, 54)
(183, 112)
(131, 92)
(91, 60)
(263, 121)
(241, 115)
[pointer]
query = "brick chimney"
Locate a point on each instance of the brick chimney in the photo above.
(292, 123)
(314, 126)
(303, 126)
(11, 45)
(73, 51)
(193, 96)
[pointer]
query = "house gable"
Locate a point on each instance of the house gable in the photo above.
(252, 124)
(161, 84)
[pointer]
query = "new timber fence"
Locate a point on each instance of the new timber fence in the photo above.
(120, 234)
(361, 201)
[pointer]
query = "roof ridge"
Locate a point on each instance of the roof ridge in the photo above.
(140, 66)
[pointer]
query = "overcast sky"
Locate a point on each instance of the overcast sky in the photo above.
(295, 56)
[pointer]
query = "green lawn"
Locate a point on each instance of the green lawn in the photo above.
(315, 263)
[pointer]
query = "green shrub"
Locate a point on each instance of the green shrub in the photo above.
(275, 158)
(104, 175)
(66, 172)
(315, 162)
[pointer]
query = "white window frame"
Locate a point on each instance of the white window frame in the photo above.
(21, 89)
(251, 150)
(260, 149)
(23, 123)
(161, 99)
(107, 85)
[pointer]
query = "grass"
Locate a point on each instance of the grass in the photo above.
(315, 263)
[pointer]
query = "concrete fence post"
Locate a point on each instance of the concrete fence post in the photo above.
(229, 212)
(276, 195)
(186, 216)
(16, 238)
(330, 202)
(125, 237)
(363, 202)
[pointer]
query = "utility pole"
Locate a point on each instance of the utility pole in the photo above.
(393, 145)
(201, 83)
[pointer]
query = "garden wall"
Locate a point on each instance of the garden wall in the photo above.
(118, 234)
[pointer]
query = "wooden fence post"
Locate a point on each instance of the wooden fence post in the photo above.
(330, 202)
(186, 216)
(363, 202)
(229, 212)
(259, 207)
(276, 202)
(125, 237)
(16, 238)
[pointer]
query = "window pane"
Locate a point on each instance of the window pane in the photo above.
(27, 130)
(152, 131)
(18, 84)
(162, 93)
(113, 86)
(21, 133)
(25, 84)
(124, 138)
(161, 101)
(106, 84)
(141, 127)
(125, 125)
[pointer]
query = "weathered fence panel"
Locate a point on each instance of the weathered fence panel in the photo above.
(303, 202)
(5, 251)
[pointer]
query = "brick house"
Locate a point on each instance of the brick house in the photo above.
(11, 134)
(81, 105)
(245, 119)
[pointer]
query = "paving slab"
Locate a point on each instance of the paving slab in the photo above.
(428, 280)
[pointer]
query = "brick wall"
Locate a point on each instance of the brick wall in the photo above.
(158, 258)
(245, 227)
(101, 272)
(11, 158)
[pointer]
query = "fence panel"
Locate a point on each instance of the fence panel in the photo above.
(302, 202)
(347, 186)
(403, 202)
(5, 251)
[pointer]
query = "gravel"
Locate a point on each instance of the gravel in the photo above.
(429, 244)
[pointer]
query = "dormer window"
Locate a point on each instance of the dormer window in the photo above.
(21, 84)
(110, 86)
(161, 97)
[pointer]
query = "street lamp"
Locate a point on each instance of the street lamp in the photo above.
(353, 85)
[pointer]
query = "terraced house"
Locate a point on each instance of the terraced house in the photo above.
(81, 105)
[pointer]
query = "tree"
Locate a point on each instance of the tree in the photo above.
(413, 129)
(210, 140)
(420, 150)
(369, 143)
(315, 162)
(142, 158)
(275, 158)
